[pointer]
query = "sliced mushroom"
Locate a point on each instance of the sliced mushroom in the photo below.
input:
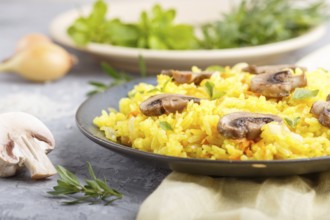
(328, 98)
(270, 68)
(277, 85)
(321, 110)
(247, 125)
(25, 140)
(166, 103)
(187, 76)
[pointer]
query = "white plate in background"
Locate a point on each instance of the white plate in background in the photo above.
(195, 13)
(317, 59)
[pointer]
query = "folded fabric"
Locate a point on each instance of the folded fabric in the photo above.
(182, 196)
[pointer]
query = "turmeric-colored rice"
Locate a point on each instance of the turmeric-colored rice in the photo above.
(193, 132)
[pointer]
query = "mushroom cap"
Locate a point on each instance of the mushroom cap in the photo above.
(277, 85)
(247, 125)
(165, 103)
(328, 98)
(321, 110)
(14, 126)
(324, 117)
(187, 76)
(318, 107)
(270, 68)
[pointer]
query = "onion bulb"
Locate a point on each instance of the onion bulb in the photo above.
(39, 62)
(31, 39)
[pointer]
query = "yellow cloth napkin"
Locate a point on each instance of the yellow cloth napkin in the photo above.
(182, 196)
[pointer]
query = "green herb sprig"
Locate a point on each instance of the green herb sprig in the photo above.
(155, 29)
(118, 77)
(249, 23)
(93, 191)
(256, 22)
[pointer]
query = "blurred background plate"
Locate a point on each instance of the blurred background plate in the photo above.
(317, 59)
(196, 13)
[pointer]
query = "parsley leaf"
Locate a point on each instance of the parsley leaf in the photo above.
(165, 126)
(304, 94)
(213, 94)
(214, 68)
(209, 88)
(155, 29)
(292, 122)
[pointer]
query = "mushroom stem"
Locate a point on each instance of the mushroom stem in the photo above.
(278, 84)
(36, 160)
(271, 68)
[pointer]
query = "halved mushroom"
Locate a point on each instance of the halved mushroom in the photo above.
(25, 140)
(277, 85)
(166, 103)
(328, 98)
(321, 110)
(187, 76)
(247, 125)
(271, 68)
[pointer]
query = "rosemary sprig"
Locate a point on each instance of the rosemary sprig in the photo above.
(118, 79)
(93, 191)
(117, 76)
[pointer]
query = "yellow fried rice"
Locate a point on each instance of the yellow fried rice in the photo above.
(193, 132)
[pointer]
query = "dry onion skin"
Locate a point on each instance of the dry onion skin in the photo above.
(30, 40)
(38, 60)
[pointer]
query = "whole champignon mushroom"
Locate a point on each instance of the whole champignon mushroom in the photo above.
(187, 76)
(321, 110)
(254, 69)
(247, 125)
(166, 103)
(277, 85)
(25, 140)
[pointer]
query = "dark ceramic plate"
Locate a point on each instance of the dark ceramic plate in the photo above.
(93, 106)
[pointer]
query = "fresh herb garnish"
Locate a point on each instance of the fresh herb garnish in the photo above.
(94, 191)
(292, 122)
(209, 88)
(251, 22)
(213, 94)
(256, 22)
(165, 126)
(118, 79)
(214, 68)
(304, 94)
(117, 76)
(155, 29)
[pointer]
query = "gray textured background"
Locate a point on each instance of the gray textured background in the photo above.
(21, 198)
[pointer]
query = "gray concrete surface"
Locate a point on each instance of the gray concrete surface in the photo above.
(22, 198)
